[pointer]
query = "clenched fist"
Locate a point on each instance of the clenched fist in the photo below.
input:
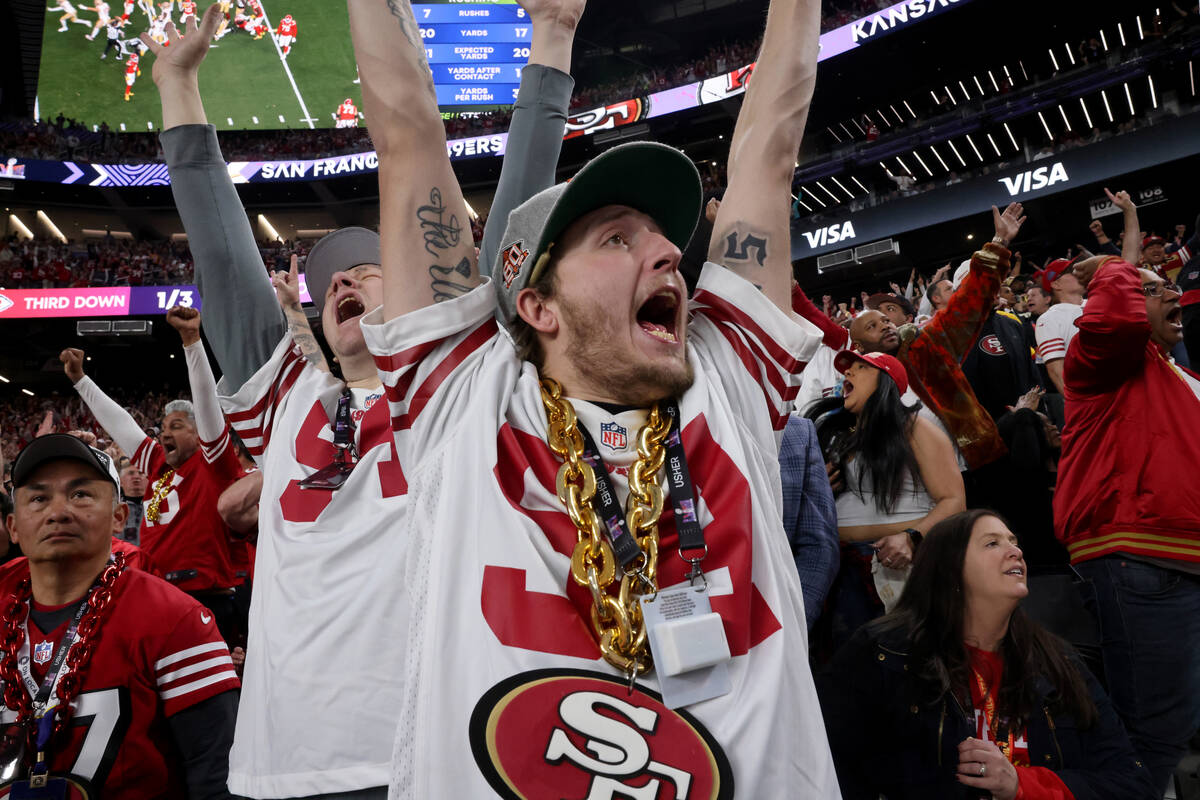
(72, 361)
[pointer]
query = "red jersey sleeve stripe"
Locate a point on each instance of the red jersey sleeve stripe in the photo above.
(265, 428)
(778, 421)
(197, 685)
(141, 458)
(721, 310)
(475, 340)
(289, 361)
(213, 450)
(180, 655)
(192, 669)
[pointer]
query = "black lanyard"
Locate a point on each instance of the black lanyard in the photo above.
(334, 475)
(692, 547)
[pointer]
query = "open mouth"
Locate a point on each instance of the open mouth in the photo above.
(348, 308)
(847, 388)
(1175, 315)
(169, 447)
(659, 316)
(1018, 571)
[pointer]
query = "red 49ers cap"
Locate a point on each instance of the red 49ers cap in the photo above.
(889, 364)
(1053, 271)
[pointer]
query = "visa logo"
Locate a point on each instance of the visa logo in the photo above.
(1034, 179)
(832, 234)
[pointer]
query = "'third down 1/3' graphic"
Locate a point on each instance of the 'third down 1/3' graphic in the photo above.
(476, 51)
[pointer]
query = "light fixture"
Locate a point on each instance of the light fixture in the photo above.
(858, 183)
(978, 85)
(21, 227)
(957, 155)
(885, 169)
(966, 94)
(1104, 40)
(899, 119)
(939, 157)
(1129, 99)
(832, 196)
(266, 224)
(1024, 71)
(49, 223)
(1107, 107)
(1086, 116)
(842, 125)
(1053, 60)
(950, 94)
(1046, 125)
(4, 379)
(836, 138)
(1070, 55)
(1066, 121)
(994, 147)
(904, 166)
(909, 109)
(26, 391)
(820, 202)
(1141, 33)
(995, 85)
(1011, 138)
(806, 206)
(849, 193)
(1192, 78)
(1121, 33)
(921, 161)
(1153, 96)
(970, 236)
(971, 142)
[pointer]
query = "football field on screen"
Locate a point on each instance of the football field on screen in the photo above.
(244, 82)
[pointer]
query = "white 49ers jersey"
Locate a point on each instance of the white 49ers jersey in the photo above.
(321, 689)
(505, 691)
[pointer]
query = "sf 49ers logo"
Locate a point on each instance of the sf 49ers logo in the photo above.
(554, 733)
(990, 344)
(514, 258)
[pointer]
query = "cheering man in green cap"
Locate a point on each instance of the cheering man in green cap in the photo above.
(601, 601)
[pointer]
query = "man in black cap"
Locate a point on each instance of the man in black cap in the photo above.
(622, 454)
(144, 705)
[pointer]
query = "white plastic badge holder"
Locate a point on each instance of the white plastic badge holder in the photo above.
(688, 643)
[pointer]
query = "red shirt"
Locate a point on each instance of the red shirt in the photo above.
(135, 556)
(189, 533)
(146, 668)
(1034, 783)
(287, 28)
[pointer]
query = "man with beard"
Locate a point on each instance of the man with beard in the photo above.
(933, 355)
(623, 453)
(187, 467)
(331, 503)
(1128, 521)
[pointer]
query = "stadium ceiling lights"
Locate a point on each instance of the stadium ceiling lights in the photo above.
(1070, 55)
(1153, 96)
(809, 192)
(832, 196)
(1049, 134)
(1012, 138)
(1192, 78)
(26, 391)
(939, 157)
(978, 85)
(1107, 107)
(849, 193)
(807, 207)
(994, 147)
(900, 119)
(913, 113)
(904, 167)
(4, 379)
(954, 150)
(21, 227)
(1141, 33)
(858, 183)
(995, 85)
(1129, 99)
(973, 147)
(1104, 40)
(44, 218)
(1121, 33)
(269, 228)
(836, 138)
(1063, 111)
(921, 161)
(1053, 60)
(1086, 115)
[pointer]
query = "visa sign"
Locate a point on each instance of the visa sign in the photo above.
(1034, 179)
(838, 232)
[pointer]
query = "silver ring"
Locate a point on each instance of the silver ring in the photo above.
(982, 769)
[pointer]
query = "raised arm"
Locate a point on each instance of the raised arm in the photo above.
(1131, 245)
(287, 290)
(210, 422)
(116, 421)
(539, 117)
(244, 321)
(752, 233)
(425, 240)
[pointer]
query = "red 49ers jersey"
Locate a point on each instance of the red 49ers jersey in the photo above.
(287, 28)
(189, 533)
(157, 653)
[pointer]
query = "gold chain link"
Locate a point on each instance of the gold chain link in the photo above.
(616, 619)
(162, 488)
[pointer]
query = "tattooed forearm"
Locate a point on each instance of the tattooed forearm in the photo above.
(739, 243)
(302, 335)
(402, 11)
(440, 233)
(445, 281)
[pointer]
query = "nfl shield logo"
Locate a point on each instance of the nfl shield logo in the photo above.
(613, 435)
(42, 652)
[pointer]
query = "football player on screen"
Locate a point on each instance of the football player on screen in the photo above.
(286, 34)
(131, 73)
(347, 115)
(68, 14)
(187, 8)
(101, 9)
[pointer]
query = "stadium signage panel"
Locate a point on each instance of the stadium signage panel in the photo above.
(1035, 179)
(1103, 207)
(116, 301)
(838, 232)
(889, 19)
(1166, 141)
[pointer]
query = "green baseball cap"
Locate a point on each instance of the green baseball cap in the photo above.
(655, 179)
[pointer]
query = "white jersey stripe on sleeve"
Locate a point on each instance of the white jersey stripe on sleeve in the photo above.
(192, 669)
(225, 675)
(176, 657)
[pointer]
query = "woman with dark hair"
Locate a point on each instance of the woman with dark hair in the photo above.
(965, 695)
(895, 475)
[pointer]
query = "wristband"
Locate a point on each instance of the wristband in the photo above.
(915, 535)
(1000, 241)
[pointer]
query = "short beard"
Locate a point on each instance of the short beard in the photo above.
(620, 380)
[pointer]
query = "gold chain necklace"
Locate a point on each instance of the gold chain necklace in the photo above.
(162, 487)
(616, 618)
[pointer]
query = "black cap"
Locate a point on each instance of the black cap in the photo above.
(55, 447)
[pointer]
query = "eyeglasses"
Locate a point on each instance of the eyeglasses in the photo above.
(1157, 289)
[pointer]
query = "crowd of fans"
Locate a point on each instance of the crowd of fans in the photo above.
(44, 263)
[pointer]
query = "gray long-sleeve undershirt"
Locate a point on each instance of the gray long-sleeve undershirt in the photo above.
(242, 319)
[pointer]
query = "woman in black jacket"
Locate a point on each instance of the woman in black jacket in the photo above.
(958, 694)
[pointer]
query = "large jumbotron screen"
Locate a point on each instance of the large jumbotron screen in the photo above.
(254, 78)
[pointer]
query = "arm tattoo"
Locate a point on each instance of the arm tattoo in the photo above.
(440, 233)
(402, 11)
(446, 285)
(302, 335)
(736, 250)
